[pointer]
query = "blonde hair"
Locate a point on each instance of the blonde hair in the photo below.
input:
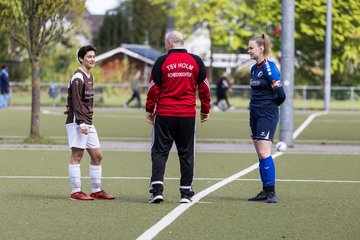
(264, 41)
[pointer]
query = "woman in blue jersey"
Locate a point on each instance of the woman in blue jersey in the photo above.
(267, 94)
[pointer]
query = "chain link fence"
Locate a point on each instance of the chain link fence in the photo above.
(116, 95)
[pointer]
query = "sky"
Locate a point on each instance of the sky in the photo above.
(99, 7)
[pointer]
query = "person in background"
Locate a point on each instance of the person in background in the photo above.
(222, 87)
(4, 87)
(267, 94)
(135, 91)
(80, 129)
(170, 108)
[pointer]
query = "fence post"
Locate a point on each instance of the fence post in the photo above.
(304, 93)
(352, 99)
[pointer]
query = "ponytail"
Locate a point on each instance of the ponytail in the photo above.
(264, 41)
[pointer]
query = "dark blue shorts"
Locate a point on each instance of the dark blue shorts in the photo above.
(263, 123)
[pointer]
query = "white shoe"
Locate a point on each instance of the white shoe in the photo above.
(155, 199)
(185, 200)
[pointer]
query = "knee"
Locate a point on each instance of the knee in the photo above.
(76, 158)
(263, 154)
(97, 159)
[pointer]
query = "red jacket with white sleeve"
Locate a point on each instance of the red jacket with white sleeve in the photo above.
(174, 79)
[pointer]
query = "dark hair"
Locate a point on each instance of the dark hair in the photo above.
(83, 50)
(3, 66)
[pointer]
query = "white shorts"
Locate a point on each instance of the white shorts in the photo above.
(79, 140)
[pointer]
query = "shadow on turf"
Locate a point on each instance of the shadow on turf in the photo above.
(229, 198)
(118, 198)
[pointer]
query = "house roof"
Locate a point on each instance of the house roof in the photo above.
(141, 52)
(149, 55)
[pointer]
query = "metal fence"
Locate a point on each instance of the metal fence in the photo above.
(114, 95)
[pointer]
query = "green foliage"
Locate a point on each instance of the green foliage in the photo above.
(33, 24)
(136, 22)
(225, 19)
(233, 22)
(310, 22)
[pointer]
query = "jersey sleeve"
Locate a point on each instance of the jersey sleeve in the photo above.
(272, 72)
(154, 85)
(273, 75)
(79, 109)
(204, 96)
(152, 95)
(203, 87)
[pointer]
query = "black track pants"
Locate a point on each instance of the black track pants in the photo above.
(167, 130)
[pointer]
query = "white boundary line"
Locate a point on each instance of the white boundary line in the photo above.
(176, 178)
(176, 212)
(303, 180)
(307, 122)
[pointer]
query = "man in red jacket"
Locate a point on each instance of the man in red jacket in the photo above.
(174, 79)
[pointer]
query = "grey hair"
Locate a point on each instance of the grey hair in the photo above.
(175, 37)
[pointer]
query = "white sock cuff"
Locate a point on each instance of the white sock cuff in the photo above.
(74, 165)
(74, 170)
(95, 167)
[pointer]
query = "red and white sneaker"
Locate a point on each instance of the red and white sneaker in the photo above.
(102, 195)
(80, 196)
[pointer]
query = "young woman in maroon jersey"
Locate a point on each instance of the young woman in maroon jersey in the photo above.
(80, 129)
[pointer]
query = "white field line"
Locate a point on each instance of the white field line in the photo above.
(303, 180)
(307, 122)
(175, 213)
(176, 178)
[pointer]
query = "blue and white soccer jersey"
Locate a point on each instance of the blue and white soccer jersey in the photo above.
(265, 78)
(77, 139)
(264, 113)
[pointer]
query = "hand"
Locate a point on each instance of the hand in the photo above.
(66, 111)
(150, 117)
(204, 117)
(84, 129)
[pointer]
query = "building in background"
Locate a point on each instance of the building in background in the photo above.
(123, 61)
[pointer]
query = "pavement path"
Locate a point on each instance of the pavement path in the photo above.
(200, 147)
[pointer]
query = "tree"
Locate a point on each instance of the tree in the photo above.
(310, 22)
(135, 21)
(236, 21)
(217, 16)
(34, 24)
(310, 28)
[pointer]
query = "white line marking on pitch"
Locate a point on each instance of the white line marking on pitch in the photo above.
(307, 122)
(175, 213)
(176, 178)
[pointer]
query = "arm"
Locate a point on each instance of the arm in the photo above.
(78, 108)
(204, 92)
(276, 84)
(280, 95)
(77, 104)
(153, 91)
(204, 96)
(151, 100)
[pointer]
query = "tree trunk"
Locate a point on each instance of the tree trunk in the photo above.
(35, 98)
